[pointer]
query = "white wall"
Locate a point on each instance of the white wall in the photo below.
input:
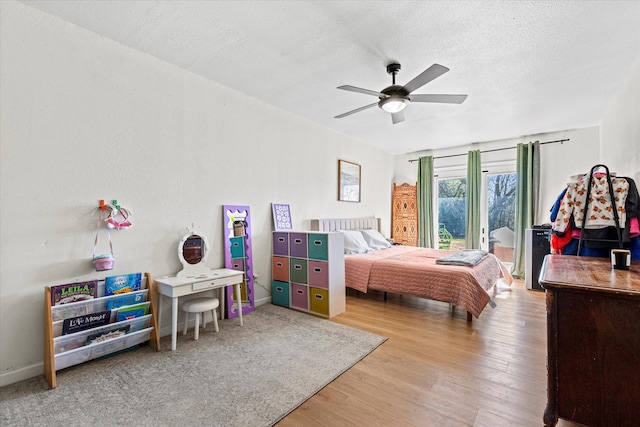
(620, 129)
(557, 161)
(83, 118)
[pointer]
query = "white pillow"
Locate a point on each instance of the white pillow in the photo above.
(354, 242)
(375, 240)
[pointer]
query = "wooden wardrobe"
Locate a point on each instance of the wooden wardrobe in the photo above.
(405, 214)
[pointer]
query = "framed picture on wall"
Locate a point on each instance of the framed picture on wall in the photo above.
(281, 217)
(348, 181)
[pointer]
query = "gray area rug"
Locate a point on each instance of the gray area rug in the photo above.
(242, 376)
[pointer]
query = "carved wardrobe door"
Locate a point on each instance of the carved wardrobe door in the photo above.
(405, 214)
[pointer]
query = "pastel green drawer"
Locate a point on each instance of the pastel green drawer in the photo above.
(298, 270)
(317, 246)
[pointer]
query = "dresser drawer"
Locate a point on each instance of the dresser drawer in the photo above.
(213, 283)
(280, 268)
(299, 296)
(298, 245)
(237, 247)
(318, 247)
(319, 301)
(318, 272)
(237, 264)
(298, 270)
(280, 293)
(281, 244)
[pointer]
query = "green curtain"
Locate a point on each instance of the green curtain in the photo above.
(425, 202)
(527, 194)
(472, 201)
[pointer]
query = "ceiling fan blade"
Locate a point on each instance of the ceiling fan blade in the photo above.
(444, 99)
(348, 113)
(435, 71)
(360, 90)
(397, 117)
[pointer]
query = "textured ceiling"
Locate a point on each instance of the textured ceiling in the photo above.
(528, 66)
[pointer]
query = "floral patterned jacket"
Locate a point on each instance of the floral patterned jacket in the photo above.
(600, 213)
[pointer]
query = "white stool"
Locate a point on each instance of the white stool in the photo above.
(200, 306)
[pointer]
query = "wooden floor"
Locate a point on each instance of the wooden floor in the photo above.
(436, 369)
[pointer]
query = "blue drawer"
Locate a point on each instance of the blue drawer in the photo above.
(280, 293)
(237, 247)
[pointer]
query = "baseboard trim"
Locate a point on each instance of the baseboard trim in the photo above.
(21, 374)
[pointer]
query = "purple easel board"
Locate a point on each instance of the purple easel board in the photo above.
(238, 258)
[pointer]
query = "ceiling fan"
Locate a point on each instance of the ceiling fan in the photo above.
(393, 99)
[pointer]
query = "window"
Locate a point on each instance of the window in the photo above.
(451, 212)
(501, 214)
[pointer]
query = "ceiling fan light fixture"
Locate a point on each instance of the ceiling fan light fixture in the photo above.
(393, 104)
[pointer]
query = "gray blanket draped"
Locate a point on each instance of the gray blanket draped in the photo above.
(465, 257)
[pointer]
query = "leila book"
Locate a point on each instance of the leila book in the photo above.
(73, 292)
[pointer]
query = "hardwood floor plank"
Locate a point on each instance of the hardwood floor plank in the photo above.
(436, 369)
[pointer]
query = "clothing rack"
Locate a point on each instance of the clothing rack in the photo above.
(491, 151)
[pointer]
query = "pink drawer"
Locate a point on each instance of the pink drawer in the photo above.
(299, 296)
(237, 264)
(318, 272)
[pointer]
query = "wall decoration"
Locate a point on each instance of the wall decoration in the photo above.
(348, 181)
(238, 256)
(281, 217)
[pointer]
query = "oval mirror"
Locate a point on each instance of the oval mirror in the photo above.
(193, 251)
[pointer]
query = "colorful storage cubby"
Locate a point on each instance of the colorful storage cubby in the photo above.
(308, 272)
(238, 255)
(238, 262)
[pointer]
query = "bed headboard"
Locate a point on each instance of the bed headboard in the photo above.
(345, 224)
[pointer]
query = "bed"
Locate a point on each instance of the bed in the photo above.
(414, 271)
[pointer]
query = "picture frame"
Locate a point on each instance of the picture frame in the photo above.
(348, 181)
(281, 217)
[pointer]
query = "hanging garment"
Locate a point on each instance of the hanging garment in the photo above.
(600, 204)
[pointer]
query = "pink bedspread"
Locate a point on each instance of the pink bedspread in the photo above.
(411, 270)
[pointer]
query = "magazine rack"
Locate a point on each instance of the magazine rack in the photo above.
(63, 351)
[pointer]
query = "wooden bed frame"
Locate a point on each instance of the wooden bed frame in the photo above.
(337, 224)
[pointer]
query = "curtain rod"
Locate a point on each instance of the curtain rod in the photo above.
(490, 151)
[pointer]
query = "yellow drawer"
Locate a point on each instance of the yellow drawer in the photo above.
(319, 301)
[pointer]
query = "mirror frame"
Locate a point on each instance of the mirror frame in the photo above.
(189, 269)
(348, 176)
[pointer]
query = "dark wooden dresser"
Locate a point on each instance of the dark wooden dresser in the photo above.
(593, 340)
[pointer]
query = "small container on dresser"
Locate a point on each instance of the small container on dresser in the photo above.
(308, 272)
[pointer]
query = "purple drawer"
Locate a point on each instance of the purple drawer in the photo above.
(318, 272)
(298, 245)
(299, 296)
(281, 244)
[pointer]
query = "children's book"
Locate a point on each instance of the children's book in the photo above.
(132, 312)
(107, 335)
(73, 292)
(115, 285)
(125, 300)
(87, 321)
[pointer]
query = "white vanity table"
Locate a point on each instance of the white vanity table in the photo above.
(175, 287)
(195, 277)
